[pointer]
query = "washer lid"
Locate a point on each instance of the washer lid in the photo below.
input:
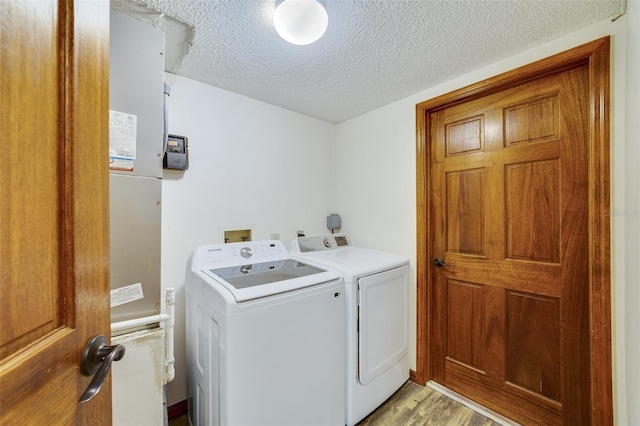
(253, 281)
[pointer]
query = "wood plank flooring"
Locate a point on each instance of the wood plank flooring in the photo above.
(413, 405)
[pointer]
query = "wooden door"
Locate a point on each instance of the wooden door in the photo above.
(515, 185)
(54, 246)
(510, 193)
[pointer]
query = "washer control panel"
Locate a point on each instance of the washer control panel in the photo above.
(321, 242)
(239, 253)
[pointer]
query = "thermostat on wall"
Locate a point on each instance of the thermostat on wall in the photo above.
(176, 156)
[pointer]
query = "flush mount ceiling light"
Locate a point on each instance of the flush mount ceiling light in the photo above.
(300, 22)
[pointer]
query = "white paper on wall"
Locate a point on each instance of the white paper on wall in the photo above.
(122, 295)
(122, 140)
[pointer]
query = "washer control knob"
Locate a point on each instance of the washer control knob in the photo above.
(327, 242)
(246, 252)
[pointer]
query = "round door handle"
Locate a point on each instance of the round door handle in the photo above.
(438, 262)
(96, 359)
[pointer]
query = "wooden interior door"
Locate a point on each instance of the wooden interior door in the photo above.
(54, 245)
(510, 192)
(512, 188)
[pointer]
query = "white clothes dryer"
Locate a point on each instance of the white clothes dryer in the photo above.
(265, 338)
(377, 297)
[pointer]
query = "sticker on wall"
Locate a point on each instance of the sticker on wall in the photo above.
(122, 140)
(122, 295)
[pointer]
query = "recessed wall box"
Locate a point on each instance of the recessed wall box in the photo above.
(237, 235)
(176, 156)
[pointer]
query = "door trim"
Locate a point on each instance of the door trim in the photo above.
(596, 55)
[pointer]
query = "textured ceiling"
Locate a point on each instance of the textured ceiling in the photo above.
(373, 53)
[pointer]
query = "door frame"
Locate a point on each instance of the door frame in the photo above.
(596, 56)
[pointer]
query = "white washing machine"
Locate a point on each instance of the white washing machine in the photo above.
(265, 338)
(377, 297)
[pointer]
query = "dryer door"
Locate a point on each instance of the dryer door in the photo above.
(383, 322)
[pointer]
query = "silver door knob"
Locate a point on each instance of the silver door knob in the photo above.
(96, 359)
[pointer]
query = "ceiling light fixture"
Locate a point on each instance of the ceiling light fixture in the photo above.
(300, 22)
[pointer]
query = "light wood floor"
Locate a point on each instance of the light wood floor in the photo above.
(414, 405)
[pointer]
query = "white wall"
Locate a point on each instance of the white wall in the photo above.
(376, 185)
(251, 164)
(629, 316)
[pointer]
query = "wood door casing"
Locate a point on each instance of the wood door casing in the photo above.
(54, 244)
(587, 309)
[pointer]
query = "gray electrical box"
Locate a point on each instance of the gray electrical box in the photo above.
(176, 156)
(334, 221)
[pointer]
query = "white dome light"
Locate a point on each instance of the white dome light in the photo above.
(300, 21)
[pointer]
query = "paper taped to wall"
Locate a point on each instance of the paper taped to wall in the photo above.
(122, 295)
(122, 140)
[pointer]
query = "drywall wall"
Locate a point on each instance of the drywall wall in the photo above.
(252, 165)
(375, 155)
(629, 220)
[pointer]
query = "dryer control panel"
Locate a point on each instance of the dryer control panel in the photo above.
(320, 242)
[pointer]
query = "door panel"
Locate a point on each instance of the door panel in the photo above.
(534, 120)
(54, 194)
(465, 325)
(465, 211)
(533, 343)
(533, 237)
(30, 219)
(512, 302)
